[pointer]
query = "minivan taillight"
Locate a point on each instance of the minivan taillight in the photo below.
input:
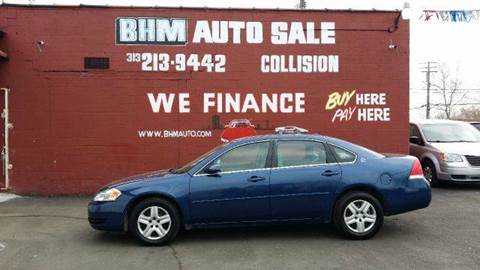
(417, 170)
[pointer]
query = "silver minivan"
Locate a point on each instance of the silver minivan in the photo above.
(448, 150)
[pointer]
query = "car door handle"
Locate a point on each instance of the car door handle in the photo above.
(256, 179)
(329, 173)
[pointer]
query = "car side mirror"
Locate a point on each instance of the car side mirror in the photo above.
(415, 140)
(213, 170)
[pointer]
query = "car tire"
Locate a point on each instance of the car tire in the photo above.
(355, 223)
(154, 221)
(430, 172)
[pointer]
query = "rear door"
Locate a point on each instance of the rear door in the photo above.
(303, 180)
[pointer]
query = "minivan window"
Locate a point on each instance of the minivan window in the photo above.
(298, 153)
(247, 157)
(414, 131)
(450, 132)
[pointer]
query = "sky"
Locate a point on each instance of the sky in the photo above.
(453, 45)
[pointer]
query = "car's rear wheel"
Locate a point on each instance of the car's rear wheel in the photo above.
(430, 172)
(358, 215)
(154, 221)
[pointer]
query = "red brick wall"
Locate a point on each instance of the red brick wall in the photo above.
(76, 130)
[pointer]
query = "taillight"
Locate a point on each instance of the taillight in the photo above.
(417, 170)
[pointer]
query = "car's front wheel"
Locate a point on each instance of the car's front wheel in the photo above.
(154, 221)
(358, 215)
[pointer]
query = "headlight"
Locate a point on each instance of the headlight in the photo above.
(448, 157)
(107, 195)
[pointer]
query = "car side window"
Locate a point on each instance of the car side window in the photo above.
(246, 157)
(299, 153)
(342, 155)
(414, 131)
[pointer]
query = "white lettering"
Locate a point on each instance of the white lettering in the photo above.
(296, 34)
(254, 32)
(202, 31)
(127, 30)
(279, 35)
(207, 102)
(146, 30)
(151, 30)
(236, 27)
(220, 31)
(250, 104)
(328, 32)
(161, 101)
(174, 32)
(184, 103)
(299, 63)
(374, 114)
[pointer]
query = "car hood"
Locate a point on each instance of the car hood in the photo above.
(139, 177)
(461, 148)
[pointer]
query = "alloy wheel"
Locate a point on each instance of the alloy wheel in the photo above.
(154, 222)
(360, 216)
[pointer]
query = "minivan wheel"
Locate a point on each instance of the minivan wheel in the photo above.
(358, 215)
(154, 221)
(430, 172)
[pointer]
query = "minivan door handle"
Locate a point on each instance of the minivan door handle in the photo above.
(255, 178)
(329, 173)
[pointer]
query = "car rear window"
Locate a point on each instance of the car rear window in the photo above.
(343, 155)
(300, 153)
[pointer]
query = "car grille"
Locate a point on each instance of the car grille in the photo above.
(473, 160)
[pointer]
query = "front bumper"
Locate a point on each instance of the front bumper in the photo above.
(108, 216)
(459, 174)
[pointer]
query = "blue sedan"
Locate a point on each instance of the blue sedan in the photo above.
(272, 179)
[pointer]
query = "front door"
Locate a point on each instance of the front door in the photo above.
(303, 180)
(417, 150)
(239, 192)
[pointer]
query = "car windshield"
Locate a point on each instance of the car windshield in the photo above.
(185, 168)
(450, 132)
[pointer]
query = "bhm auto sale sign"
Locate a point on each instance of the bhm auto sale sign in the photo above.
(145, 88)
(279, 51)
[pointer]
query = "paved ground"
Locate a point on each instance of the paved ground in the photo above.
(53, 233)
